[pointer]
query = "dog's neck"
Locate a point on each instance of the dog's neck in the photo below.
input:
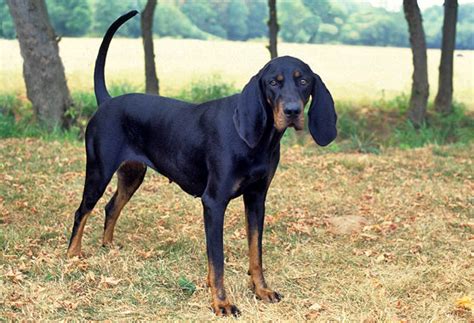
(272, 136)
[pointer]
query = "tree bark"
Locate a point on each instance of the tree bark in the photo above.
(273, 28)
(151, 80)
(420, 86)
(444, 98)
(43, 70)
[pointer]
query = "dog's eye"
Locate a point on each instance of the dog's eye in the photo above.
(303, 82)
(273, 83)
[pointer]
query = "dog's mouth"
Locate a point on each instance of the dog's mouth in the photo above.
(296, 122)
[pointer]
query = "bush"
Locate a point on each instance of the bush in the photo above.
(458, 127)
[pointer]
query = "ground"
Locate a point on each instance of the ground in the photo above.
(409, 258)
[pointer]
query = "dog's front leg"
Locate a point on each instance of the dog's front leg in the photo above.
(214, 210)
(254, 201)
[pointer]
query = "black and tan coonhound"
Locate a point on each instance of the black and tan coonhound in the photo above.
(216, 150)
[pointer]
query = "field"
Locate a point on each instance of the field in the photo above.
(353, 73)
(368, 229)
(410, 259)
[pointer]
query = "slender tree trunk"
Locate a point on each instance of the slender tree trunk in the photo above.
(43, 70)
(420, 86)
(444, 98)
(273, 28)
(151, 80)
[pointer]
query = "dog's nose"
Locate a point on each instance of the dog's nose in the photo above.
(292, 109)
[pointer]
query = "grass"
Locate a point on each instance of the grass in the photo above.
(411, 262)
(353, 73)
(362, 128)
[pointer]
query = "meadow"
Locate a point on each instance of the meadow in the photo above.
(353, 73)
(409, 260)
(379, 226)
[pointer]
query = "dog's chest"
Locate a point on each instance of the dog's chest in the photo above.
(251, 171)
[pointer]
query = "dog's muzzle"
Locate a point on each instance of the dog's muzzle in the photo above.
(294, 114)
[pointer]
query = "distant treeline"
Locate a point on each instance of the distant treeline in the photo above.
(301, 21)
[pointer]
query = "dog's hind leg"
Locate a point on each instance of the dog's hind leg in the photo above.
(98, 175)
(130, 176)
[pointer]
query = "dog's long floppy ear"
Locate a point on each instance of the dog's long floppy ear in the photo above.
(250, 117)
(322, 116)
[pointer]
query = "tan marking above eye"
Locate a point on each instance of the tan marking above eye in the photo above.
(297, 74)
(279, 77)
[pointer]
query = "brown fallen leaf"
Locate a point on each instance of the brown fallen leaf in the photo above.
(15, 276)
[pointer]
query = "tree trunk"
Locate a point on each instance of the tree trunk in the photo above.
(151, 80)
(444, 98)
(420, 87)
(273, 28)
(43, 70)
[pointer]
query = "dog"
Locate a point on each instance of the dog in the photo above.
(217, 150)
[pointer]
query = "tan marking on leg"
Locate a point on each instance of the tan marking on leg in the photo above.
(220, 303)
(119, 203)
(126, 185)
(75, 246)
(257, 279)
(255, 266)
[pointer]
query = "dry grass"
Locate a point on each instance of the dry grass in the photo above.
(412, 260)
(353, 73)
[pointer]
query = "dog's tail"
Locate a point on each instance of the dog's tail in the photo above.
(101, 93)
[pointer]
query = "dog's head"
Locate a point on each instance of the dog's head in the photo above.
(280, 91)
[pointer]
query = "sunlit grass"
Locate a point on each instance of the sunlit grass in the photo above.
(352, 73)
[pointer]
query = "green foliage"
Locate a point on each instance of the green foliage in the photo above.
(172, 22)
(465, 27)
(187, 286)
(203, 15)
(236, 24)
(433, 24)
(26, 128)
(206, 89)
(105, 12)
(299, 27)
(17, 120)
(355, 133)
(116, 89)
(257, 19)
(9, 103)
(301, 21)
(361, 129)
(70, 18)
(375, 26)
(457, 127)
(7, 28)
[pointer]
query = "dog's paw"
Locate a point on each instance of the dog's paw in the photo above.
(268, 295)
(74, 252)
(225, 309)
